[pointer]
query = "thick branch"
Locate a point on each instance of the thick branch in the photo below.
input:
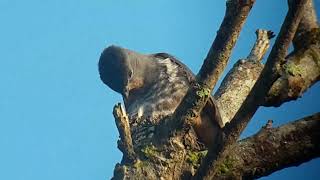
(219, 53)
(277, 56)
(125, 142)
(273, 149)
(303, 67)
(308, 22)
(239, 81)
(269, 73)
(236, 13)
(300, 72)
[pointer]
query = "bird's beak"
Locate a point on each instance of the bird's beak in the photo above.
(126, 94)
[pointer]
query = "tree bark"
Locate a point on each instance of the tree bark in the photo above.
(301, 71)
(272, 149)
(236, 13)
(174, 152)
(239, 81)
(269, 74)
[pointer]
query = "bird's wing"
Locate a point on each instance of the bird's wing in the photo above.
(211, 107)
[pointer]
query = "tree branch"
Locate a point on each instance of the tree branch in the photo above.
(239, 81)
(272, 149)
(125, 142)
(302, 69)
(300, 72)
(269, 74)
(236, 13)
(308, 22)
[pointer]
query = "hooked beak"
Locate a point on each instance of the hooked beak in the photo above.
(125, 94)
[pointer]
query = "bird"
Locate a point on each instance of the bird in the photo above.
(153, 85)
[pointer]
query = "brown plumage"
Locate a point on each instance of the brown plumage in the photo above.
(153, 86)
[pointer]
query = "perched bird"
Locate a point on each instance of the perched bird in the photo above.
(153, 86)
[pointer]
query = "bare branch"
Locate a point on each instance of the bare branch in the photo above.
(272, 149)
(239, 81)
(308, 22)
(179, 156)
(269, 74)
(125, 142)
(261, 45)
(236, 13)
(300, 72)
(219, 53)
(302, 69)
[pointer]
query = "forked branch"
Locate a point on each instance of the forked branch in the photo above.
(236, 13)
(208, 168)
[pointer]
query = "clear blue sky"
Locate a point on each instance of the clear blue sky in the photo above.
(56, 118)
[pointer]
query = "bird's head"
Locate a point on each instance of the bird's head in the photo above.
(124, 70)
(115, 69)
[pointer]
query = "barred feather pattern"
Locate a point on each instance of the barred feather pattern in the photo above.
(160, 101)
(164, 96)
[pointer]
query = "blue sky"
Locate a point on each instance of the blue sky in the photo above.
(56, 115)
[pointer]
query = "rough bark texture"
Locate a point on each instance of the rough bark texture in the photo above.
(236, 86)
(272, 149)
(125, 143)
(239, 81)
(302, 69)
(300, 72)
(308, 22)
(236, 13)
(268, 75)
(174, 152)
(163, 158)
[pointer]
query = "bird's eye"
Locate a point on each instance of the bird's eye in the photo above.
(130, 74)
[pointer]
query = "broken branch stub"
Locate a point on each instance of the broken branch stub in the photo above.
(125, 143)
(239, 81)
